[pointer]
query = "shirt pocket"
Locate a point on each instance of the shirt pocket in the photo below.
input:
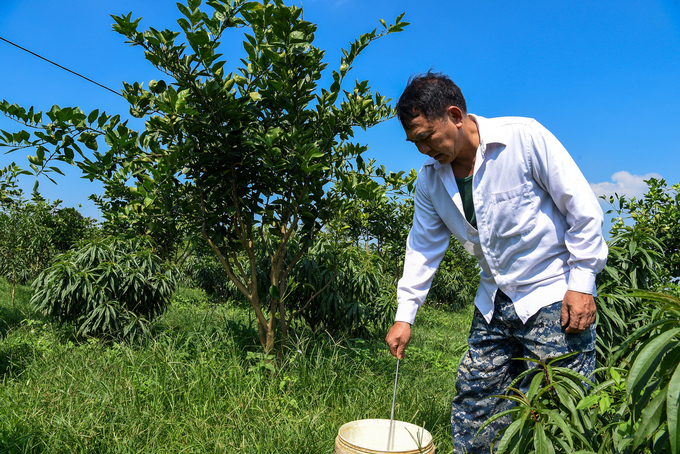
(514, 211)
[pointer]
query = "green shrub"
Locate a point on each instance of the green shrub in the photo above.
(653, 382)
(455, 283)
(107, 287)
(25, 241)
(341, 290)
(631, 409)
(206, 273)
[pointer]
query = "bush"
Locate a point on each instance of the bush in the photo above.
(32, 233)
(455, 283)
(206, 273)
(632, 409)
(638, 259)
(25, 241)
(107, 287)
(351, 294)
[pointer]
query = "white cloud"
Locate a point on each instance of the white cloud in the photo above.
(623, 183)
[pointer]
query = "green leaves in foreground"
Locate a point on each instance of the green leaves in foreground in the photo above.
(107, 287)
(633, 409)
(545, 418)
(653, 383)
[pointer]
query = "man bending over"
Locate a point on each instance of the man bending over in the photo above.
(510, 193)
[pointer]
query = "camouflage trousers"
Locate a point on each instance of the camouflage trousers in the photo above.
(488, 366)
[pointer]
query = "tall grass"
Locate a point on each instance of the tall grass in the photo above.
(201, 385)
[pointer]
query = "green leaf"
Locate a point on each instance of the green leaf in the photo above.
(672, 401)
(555, 416)
(535, 385)
(252, 6)
(588, 402)
(541, 442)
(651, 419)
(513, 429)
(93, 116)
(647, 360)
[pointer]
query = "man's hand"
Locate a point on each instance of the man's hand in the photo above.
(578, 311)
(398, 338)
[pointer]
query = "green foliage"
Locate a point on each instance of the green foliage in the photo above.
(107, 287)
(635, 262)
(546, 419)
(25, 241)
(633, 409)
(9, 189)
(342, 291)
(31, 233)
(242, 157)
(204, 271)
(653, 383)
(659, 211)
(67, 227)
(642, 255)
(380, 224)
(455, 284)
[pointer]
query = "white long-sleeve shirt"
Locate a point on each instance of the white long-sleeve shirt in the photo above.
(539, 223)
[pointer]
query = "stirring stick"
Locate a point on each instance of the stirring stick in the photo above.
(390, 434)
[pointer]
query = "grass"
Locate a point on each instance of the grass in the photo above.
(202, 386)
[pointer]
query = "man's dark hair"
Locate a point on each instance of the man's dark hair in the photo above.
(429, 95)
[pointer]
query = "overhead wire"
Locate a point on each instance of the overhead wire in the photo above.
(62, 67)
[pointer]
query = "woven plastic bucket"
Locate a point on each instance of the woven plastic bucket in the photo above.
(370, 436)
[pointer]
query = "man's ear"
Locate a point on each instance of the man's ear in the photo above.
(455, 115)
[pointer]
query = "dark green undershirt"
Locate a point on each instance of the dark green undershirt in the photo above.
(465, 189)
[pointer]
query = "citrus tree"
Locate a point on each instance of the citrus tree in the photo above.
(243, 156)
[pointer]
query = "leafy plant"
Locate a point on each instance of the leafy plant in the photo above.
(632, 409)
(107, 287)
(26, 242)
(205, 272)
(341, 290)
(659, 210)
(653, 383)
(455, 283)
(545, 418)
(9, 187)
(32, 233)
(639, 258)
(634, 262)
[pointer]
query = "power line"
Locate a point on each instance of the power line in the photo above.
(65, 69)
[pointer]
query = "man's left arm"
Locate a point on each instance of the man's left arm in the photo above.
(557, 172)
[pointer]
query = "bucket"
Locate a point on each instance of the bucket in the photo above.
(369, 436)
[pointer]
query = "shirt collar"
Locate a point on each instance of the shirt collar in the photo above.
(487, 134)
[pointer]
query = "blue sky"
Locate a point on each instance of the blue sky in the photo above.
(603, 76)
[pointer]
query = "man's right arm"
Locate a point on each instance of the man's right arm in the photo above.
(425, 247)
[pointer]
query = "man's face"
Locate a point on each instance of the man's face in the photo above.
(437, 138)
